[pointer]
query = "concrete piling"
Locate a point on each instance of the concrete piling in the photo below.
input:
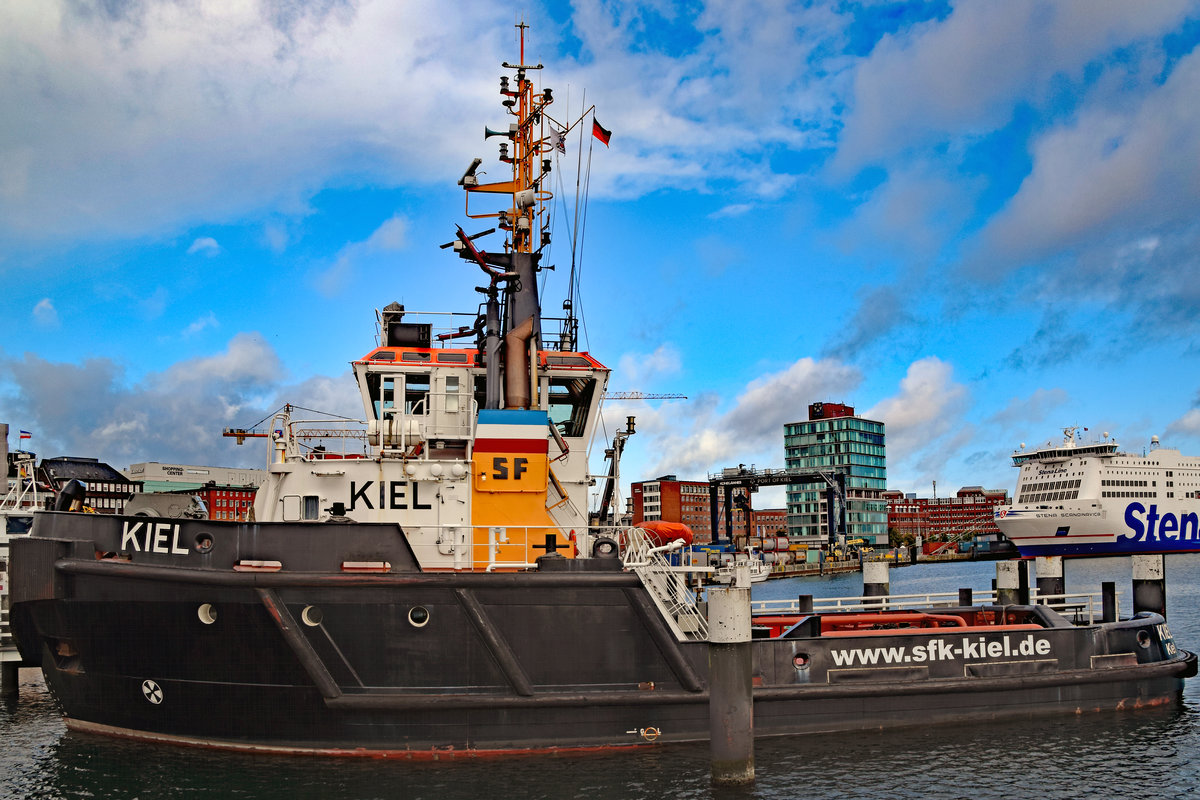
(1149, 584)
(1050, 575)
(1007, 582)
(731, 682)
(876, 579)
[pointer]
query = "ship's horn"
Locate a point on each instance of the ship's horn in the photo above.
(489, 133)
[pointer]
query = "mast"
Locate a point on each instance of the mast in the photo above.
(517, 327)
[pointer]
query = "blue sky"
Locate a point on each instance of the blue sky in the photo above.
(978, 222)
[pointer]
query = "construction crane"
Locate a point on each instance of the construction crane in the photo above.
(643, 396)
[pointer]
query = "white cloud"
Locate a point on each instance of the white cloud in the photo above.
(964, 74)
(389, 237)
(929, 405)
(45, 314)
(642, 370)
(208, 320)
(1187, 426)
(276, 237)
(1113, 171)
(216, 109)
(1025, 411)
(177, 414)
(695, 437)
(732, 210)
(206, 245)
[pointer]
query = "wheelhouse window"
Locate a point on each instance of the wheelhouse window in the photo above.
(569, 403)
(416, 393)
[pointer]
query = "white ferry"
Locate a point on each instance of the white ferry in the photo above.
(1077, 499)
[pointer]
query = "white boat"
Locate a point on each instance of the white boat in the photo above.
(759, 570)
(1076, 499)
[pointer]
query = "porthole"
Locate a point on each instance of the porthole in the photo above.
(207, 613)
(204, 543)
(418, 616)
(311, 616)
(1143, 639)
(800, 661)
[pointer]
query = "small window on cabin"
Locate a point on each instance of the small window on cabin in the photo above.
(570, 402)
(387, 397)
(416, 393)
(452, 401)
(312, 506)
(452, 358)
(415, 357)
(567, 361)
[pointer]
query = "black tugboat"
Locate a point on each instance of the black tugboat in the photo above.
(425, 583)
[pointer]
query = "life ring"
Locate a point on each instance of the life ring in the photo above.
(604, 547)
(650, 734)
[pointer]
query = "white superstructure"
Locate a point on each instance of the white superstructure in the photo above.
(1092, 498)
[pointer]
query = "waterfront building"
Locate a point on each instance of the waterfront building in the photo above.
(228, 492)
(156, 477)
(835, 438)
(969, 514)
(107, 489)
(765, 521)
(670, 499)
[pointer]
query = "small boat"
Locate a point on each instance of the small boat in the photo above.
(1076, 498)
(426, 583)
(757, 570)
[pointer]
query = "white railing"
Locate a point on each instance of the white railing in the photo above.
(22, 495)
(1082, 605)
(667, 585)
(437, 415)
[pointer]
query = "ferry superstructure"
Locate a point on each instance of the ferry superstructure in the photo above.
(1078, 498)
(422, 583)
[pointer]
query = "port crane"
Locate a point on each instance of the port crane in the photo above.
(643, 396)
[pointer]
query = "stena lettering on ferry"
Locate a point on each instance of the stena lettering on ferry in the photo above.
(1077, 498)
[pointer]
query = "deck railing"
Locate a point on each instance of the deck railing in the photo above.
(667, 585)
(1081, 606)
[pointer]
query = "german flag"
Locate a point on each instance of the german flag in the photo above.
(600, 132)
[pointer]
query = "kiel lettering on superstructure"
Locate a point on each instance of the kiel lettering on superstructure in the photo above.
(390, 495)
(1154, 528)
(152, 537)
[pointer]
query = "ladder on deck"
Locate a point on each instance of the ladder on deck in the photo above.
(667, 586)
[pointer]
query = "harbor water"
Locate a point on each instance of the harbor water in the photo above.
(1145, 753)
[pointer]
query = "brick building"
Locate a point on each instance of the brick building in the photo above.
(970, 512)
(668, 498)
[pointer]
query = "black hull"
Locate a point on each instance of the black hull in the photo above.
(325, 661)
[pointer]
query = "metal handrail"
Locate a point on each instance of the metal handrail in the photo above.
(1079, 602)
(666, 585)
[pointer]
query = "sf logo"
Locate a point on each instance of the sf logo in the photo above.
(500, 468)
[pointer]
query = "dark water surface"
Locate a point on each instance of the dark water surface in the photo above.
(1137, 754)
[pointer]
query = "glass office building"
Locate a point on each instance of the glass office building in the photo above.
(834, 437)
